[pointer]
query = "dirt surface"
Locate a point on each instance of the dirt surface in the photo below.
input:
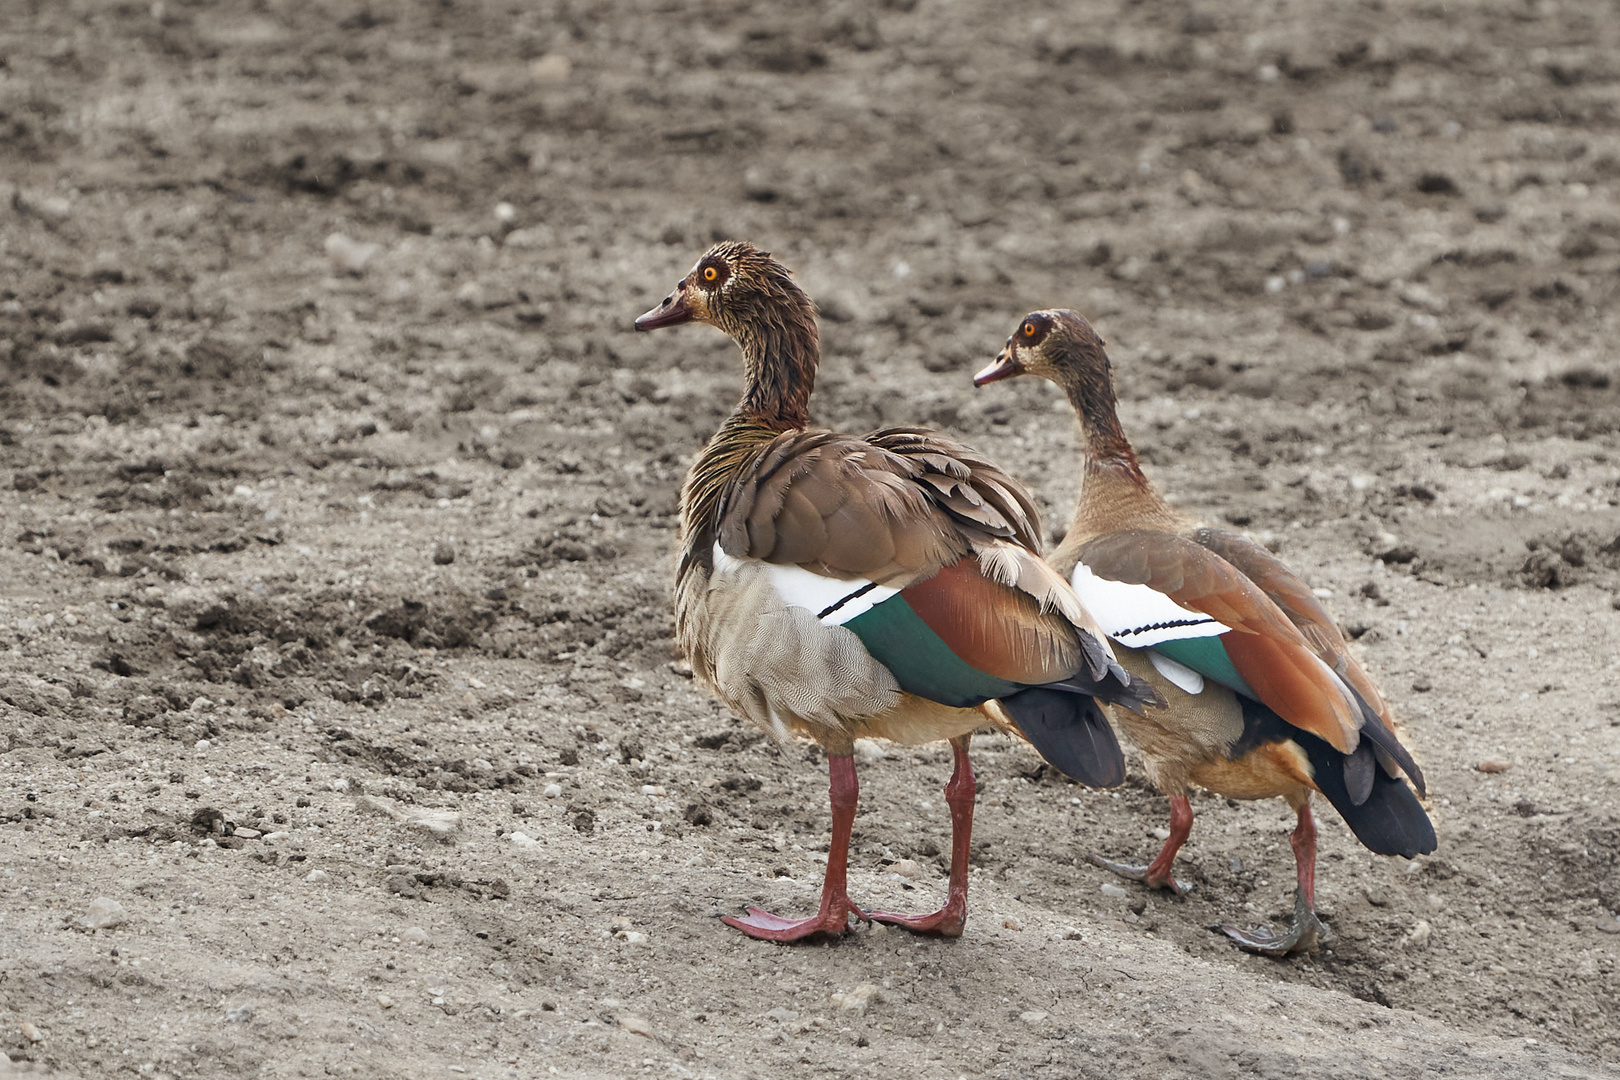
(334, 634)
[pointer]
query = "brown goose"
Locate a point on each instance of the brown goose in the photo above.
(1264, 697)
(837, 587)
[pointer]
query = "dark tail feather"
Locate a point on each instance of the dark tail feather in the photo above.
(1373, 729)
(1069, 730)
(1389, 819)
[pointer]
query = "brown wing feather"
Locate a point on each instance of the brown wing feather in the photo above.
(895, 506)
(1019, 519)
(1296, 601)
(1270, 653)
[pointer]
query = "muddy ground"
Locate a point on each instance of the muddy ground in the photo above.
(334, 636)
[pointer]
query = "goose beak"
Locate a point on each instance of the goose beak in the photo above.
(672, 312)
(1005, 366)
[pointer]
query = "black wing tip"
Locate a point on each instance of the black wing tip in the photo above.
(1415, 774)
(1141, 695)
(1115, 686)
(1374, 729)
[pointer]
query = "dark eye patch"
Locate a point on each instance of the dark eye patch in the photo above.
(1033, 330)
(712, 273)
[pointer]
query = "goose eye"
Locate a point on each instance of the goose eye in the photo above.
(710, 273)
(1029, 329)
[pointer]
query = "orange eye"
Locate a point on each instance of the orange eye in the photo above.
(710, 273)
(1029, 329)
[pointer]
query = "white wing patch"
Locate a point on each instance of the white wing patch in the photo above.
(834, 601)
(1180, 674)
(1139, 616)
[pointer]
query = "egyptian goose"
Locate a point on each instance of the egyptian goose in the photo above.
(839, 587)
(1264, 697)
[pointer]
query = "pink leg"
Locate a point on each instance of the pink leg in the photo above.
(833, 918)
(949, 920)
(1307, 929)
(1303, 841)
(1156, 874)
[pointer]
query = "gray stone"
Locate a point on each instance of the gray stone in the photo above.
(105, 913)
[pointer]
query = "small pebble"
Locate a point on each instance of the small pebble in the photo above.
(55, 206)
(105, 913)
(907, 868)
(1609, 924)
(414, 935)
(552, 791)
(868, 751)
(1420, 934)
(246, 833)
(439, 824)
(858, 999)
(1108, 888)
(385, 1001)
(203, 744)
(632, 937)
(636, 1025)
(551, 68)
(444, 553)
(1160, 834)
(1032, 1016)
(1010, 923)
(31, 1033)
(522, 839)
(349, 256)
(317, 877)
(1494, 765)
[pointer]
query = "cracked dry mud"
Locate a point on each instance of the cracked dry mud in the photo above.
(334, 636)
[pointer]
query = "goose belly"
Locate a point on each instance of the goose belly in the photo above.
(1192, 742)
(917, 720)
(1193, 731)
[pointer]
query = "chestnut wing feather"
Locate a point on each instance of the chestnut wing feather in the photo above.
(999, 630)
(1302, 608)
(1269, 652)
(1322, 633)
